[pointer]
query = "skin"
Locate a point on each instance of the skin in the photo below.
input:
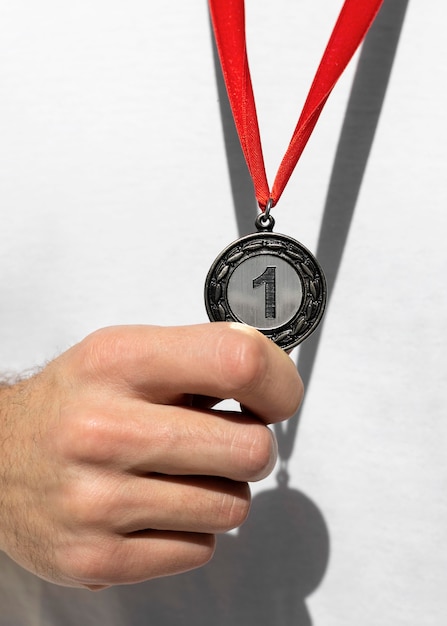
(115, 467)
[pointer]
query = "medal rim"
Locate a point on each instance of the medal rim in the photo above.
(314, 296)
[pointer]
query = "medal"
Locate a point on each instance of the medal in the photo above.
(269, 280)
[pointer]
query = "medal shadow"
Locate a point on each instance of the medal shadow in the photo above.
(281, 554)
(260, 576)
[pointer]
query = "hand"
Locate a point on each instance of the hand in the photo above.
(115, 468)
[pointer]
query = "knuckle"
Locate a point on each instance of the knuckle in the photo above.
(256, 449)
(204, 551)
(243, 358)
(262, 455)
(99, 353)
(239, 512)
(89, 565)
(234, 508)
(87, 435)
(88, 504)
(294, 398)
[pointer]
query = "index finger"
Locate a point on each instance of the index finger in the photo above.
(223, 360)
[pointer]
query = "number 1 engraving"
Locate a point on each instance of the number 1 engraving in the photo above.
(268, 278)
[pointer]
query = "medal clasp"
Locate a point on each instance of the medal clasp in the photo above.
(264, 221)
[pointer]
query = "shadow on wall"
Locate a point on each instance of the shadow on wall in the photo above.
(259, 577)
(262, 575)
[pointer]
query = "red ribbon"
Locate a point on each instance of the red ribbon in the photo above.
(228, 19)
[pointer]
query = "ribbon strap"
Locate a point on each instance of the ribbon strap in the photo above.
(228, 19)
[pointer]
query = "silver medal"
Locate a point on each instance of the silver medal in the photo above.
(269, 281)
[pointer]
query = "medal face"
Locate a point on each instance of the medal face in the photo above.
(269, 281)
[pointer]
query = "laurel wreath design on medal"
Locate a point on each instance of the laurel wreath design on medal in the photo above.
(309, 311)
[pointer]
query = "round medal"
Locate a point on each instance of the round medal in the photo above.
(269, 281)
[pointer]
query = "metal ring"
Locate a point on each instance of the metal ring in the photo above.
(268, 207)
(264, 223)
